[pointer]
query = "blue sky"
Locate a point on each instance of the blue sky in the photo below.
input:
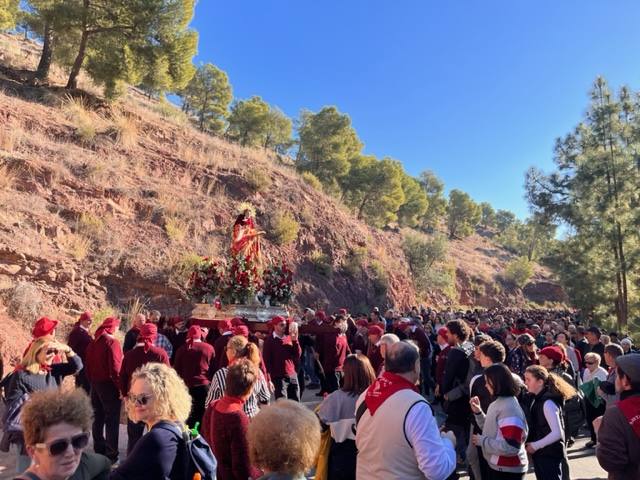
(476, 91)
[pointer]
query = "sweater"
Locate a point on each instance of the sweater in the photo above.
(281, 356)
(104, 359)
(195, 365)
(154, 456)
(79, 339)
(226, 433)
(504, 431)
(335, 349)
(136, 358)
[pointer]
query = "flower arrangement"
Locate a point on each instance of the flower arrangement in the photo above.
(206, 281)
(242, 282)
(278, 283)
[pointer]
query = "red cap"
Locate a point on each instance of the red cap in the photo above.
(44, 326)
(553, 353)
(362, 323)
(237, 321)
(225, 324)
(109, 325)
(241, 330)
(376, 330)
(194, 333)
(277, 319)
(85, 316)
(443, 332)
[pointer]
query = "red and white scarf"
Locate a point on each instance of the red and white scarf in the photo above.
(383, 387)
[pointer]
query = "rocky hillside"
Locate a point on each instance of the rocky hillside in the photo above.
(101, 204)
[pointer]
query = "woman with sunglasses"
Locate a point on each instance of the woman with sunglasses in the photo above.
(159, 398)
(35, 372)
(595, 406)
(56, 431)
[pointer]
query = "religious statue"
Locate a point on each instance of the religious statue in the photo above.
(245, 242)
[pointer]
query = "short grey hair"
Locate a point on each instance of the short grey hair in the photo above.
(389, 339)
(401, 357)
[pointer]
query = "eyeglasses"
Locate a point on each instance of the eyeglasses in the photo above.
(141, 399)
(59, 446)
(590, 363)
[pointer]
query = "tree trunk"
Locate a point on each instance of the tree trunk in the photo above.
(47, 53)
(77, 65)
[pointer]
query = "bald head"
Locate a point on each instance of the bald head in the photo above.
(139, 320)
(401, 357)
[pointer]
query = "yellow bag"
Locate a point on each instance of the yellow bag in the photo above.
(322, 464)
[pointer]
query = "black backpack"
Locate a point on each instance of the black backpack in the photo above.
(199, 457)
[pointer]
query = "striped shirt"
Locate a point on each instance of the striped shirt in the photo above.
(260, 392)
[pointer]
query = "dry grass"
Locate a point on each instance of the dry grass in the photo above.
(11, 137)
(24, 302)
(85, 122)
(8, 177)
(90, 226)
(257, 179)
(125, 131)
(76, 245)
(176, 229)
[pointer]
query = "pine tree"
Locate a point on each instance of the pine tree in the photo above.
(437, 203)
(207, 96)
(8, 13)
(463, 214)
(415, 202)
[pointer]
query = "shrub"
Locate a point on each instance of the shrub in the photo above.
(90, 226)
(181, 270)
(78, 246)
(284, 228)
(100, 315)
(83, 121)
(354, 262)
(124, 131)
(311, 180)
(176, 229)
(380, 278)
(258, 180)
(24, 302)
(423, 252)
(441, 277)
(321, 262)
(518, 272)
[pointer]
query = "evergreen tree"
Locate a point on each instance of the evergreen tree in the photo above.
(255, 123)
(415, 202)
(8, 13)
(463, 214)
(207, 97)
(488, 215)
(504, 219)
(327, 144)
(436, 202)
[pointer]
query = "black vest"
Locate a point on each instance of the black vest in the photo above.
(539, 428)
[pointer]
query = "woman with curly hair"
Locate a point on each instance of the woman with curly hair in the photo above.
(56, 427)
(159, 398)
(284, 439)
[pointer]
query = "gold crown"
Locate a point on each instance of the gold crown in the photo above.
(246, 206)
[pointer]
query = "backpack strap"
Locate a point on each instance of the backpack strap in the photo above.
(360, 411)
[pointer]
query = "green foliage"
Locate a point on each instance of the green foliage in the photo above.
(257, 179)
(532, 239)
(207, 97)
(518, 271)
(504, 219)
(436, 203)
(284, 228)
(327, 144)
(415, 202)
(354, 263)
(254, 123)
(423, 253)
(90, 226)
(321, 262)
(181, 269)
(488, 215)
(380, 278)
(373, 189)
(594, 192)
(8, 13)
(463, 214)
(311, 180)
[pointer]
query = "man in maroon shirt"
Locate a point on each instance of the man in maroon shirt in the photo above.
(195, 363)
(281, 357)
(373, 352)
(104, 359)
(335, 349)
(441, 358)
(361, 338)
(226, 332)
(79, 339)
(143, 352)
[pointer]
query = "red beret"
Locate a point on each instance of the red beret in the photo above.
(194, 332)
(443, 332)
(277, 319)
(44, 326)
(241, 330)
(148, 330)
(553, 353)
(224, 324)
(85, 316)
(376, 330)
(362, 323)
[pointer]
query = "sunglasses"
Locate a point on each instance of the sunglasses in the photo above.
(52, 351)
(141, 399)
(590, 363)
(60, 446)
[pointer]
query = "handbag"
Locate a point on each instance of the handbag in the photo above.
(11, 418)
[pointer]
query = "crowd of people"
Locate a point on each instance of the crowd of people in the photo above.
(402, 395)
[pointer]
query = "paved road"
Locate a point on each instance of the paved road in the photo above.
(582, 462)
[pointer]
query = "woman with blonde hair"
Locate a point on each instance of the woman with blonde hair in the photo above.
(159, 398)
(35, 372)
(284, 439)
(239, 347)
(546, 440)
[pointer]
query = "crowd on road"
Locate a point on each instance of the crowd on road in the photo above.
(402, 395)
